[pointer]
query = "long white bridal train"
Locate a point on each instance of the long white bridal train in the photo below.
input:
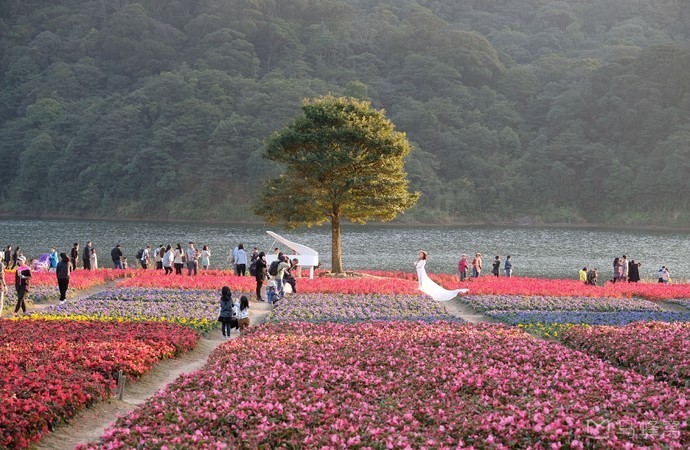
(435, 291)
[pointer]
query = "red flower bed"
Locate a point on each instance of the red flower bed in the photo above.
(52, 369)
(80, 279)
(650, 348)
(215, 281)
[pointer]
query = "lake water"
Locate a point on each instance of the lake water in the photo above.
(543, 252)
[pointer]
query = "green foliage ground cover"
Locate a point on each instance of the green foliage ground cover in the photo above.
(567, 110)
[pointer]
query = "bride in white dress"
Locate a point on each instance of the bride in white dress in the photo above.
(430, 288)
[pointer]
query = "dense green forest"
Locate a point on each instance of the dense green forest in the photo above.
(557, 111)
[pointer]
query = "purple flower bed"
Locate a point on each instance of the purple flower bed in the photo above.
(587, 317)
(539, 303)
(344, 308)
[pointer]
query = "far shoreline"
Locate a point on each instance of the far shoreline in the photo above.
(392, 224)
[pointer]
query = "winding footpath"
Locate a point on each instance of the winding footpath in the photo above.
(89, 424)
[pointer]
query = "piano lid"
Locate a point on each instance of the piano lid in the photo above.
(299, 248)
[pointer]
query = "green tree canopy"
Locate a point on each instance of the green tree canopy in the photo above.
(343, 160)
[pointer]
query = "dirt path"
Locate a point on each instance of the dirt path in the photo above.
(90, 424)
(673, 307)
(457, 308)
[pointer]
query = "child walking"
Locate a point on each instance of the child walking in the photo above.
(244, 313)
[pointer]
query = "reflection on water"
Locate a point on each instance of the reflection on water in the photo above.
(545, 252)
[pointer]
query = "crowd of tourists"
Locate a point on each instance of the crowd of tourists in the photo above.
(624, 271)
(468, 270)
(278, 277)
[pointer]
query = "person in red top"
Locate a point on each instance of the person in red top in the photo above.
(462, 267)
(21, 283)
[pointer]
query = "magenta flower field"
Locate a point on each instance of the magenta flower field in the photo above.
(658, 349)
(405, 385)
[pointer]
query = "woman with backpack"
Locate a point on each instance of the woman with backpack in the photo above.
(228, 313)
(63, 271)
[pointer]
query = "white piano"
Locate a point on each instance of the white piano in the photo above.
(308, 257)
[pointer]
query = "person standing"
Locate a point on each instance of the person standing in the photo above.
(496, 266)
(463, 265)
(178, 260)
(634, 272)
(205, 257)
(289, 275)
(624, 268)
(583, 275)
(3, 285)
(74, 255)
(664, 275)
(477, 265)
(116, 256)
(168, 260)
(234, 259)
(241, 261)
(63, 271)
(508, 267)
(94, 259)
(243, 314)
(420, 265)
(616, 269)
(145, 259)
(15, 256)
(255, 254)
(8, 256)
(280, 275)
(86, 258)
(260, 274)
(192, 260)
(227, 311)
(22, 278)
(159, 253)
(54, 259)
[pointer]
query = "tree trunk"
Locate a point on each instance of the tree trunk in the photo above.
(336, 254)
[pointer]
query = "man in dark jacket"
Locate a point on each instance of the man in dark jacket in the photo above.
(116, 255)
(74, 255)
(86, 257)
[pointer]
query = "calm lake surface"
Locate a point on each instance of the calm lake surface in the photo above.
(542, 252)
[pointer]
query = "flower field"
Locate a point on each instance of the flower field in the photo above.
(79, 280)
(50, 370)
(657, 349)
(215, 280)
(196, 309)
(404, 385)
(489, 285)
(681, 301)
(540, 303)
(587, 317)
(341, 308)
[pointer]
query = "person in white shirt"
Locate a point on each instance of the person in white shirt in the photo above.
(205, 257)
(243, 313)
(167, 260)
(177, 259)
(192, 259)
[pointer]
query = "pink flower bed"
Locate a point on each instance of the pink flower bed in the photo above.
(651, 348)
(404, 385)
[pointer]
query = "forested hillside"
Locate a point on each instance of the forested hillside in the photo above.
(564, 111)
